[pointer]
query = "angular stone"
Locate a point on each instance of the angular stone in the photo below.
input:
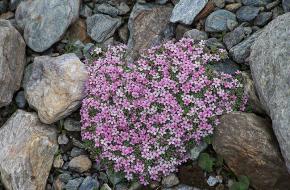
(74, 184)
(196, 34)
(78, 31)
(44, 22)
(257, 3)
(72, 125)
(80, 164)
(263, 18)
(90, 183)
(170, 181)
(247, 13)
(270, 67)
(186, 11)
(54, 86)
(27, 148)
(234, 37)
(101, 27)
(241, 51)
(217, 21)
(14, 3)
(248, 146)
(286, 5)
(144, 16)
(12, 61)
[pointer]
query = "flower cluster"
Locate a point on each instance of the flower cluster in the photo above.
(141, 118)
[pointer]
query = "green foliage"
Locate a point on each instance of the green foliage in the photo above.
(206, 162)
(243, 183)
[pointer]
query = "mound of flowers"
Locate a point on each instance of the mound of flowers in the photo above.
(141, 118)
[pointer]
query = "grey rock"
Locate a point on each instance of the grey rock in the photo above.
(181, 187)
(72, 125)
(241, 52)
(161, 2)
(85, 11)
(89, 183)
(13, 4)
(227, 66)
(142, 17)
(217, 21)
(247, 145)
(80, 164)
(195, 152)
(273, 4)
(232, 24)
(135, 186)
(65, 177)
(38, 18)
(233, 7)
(263, 18)
(62, 139)
(27, 148)
(170, 181)
(54, 86)
(77, 152)
(74, 184)
(105, 187)
(277, 11)
(234, 37)
(123, 8)
(196, 34)
(12, 61)
(247, 13)
(107, 9)
(212, 181)
(20, 99)
(256, 3)
(124, 33)
(3, 7)
(286, 5)
(186, 11)
(270, 66)
(219, 3)
(213, 43)
(101, 27)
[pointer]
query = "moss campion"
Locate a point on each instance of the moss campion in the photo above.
(141, 118)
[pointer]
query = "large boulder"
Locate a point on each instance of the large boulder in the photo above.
(54, 86)
(44, 22)
(247, 144)
(12, 61)
(148, 25)
(27, 148)
(269, 62)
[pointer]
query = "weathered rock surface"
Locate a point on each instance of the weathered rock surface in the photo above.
(80, 164)
(54, 86)
(270, 68)
(12, 61)
(286, 5)
(256, 2)
(186, 11)
(241, 51)
(247, 144)
(144, 17)
(27, 148)
(78, 31)
(45, 21)
(219, 20)
(101, 27)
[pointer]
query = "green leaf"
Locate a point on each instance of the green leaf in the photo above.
(242, 184)
(206, 162)
(244, 179)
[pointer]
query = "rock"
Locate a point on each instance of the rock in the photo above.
(80, 164)
(247, 13)
(124, 33)
(38, 18)
(72, 125)
(219, 3)
(123, 8)
(170, 181)
(234, 37)
(101, 27)
(286, 5)
(135, 186)
(181, 30)
(12, 61)
(13, 4)
(58, 185)
(256, 3)
(64, 177)
(196, 34)
(77, 152)
(194, 152)
(226, 66)
(263, 18)
(85, 11)
(207, 10)
(233, 7)
(62, 139)
(54, 86)
(89, 183)
(217, 21)
(106, 9)
(144, 16)
(27, 148)
(3, 7)
(74, 184)
(186, 11)
(182, 187)
(78, 31)
(58, 162)
(241, 51)
(253, 99)
(247, 144)
(213, 181)
(20, 99)
(269, 63)
(105, 187)
(7, 16)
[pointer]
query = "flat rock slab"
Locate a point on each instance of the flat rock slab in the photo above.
(269, 62)
(219, 20)
(12, 61)
(247, 144)
(55, 86)
(45, 21)
(27, 148)
(186, 11)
